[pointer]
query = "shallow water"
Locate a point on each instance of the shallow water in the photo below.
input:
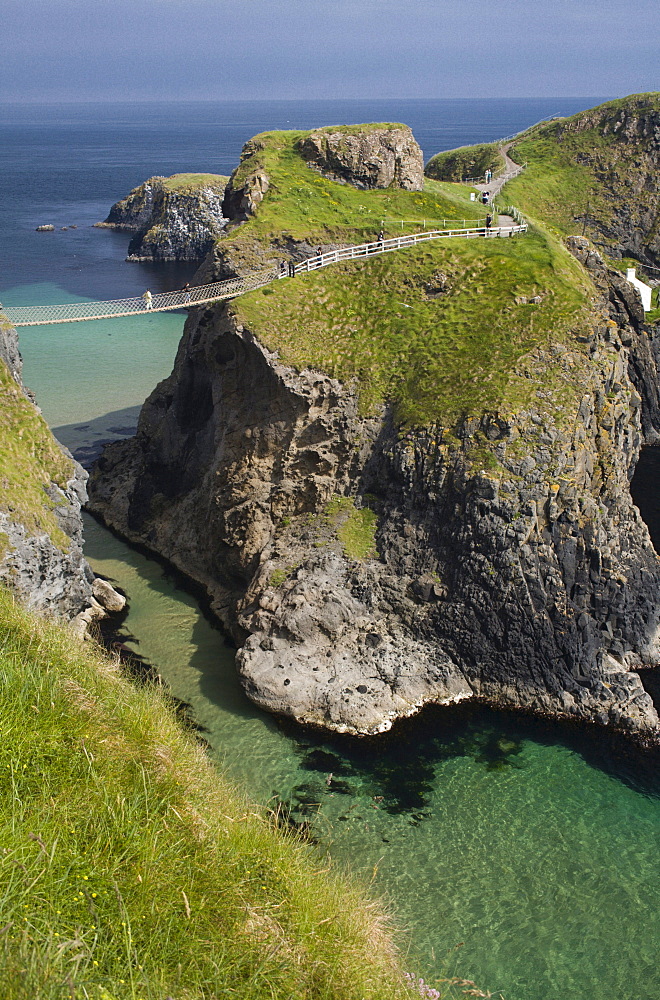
(531, 845)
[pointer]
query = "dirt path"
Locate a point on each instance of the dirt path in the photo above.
(511, 170)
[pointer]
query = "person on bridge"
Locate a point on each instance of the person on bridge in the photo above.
(186, 292)
(147, 299)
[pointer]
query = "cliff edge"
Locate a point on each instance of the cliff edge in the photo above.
(43, 489)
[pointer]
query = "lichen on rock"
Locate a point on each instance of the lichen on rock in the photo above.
(173, 218)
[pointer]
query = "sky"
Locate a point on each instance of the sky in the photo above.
(91, 50)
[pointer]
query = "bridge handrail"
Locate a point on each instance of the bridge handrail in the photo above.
(72, 312)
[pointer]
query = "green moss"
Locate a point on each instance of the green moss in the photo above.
(5, 545)
(130, 868)
(355, 527)
(381, 326)
(466, 161)
(30, 460)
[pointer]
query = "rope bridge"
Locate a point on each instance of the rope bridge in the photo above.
(78, 312)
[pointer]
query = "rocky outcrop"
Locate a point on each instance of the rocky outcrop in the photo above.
(173, 218)
(512, 565)
(41, 555)
(366, 156)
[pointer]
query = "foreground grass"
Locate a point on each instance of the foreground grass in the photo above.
(437, 328)
(129, 869)
(30, 460)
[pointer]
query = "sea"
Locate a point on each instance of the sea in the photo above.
(518, 853)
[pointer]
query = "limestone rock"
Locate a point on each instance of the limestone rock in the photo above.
(107, 596)
(375, 157)
(47, 576)
(172, 218)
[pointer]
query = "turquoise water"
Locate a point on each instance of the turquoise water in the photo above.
(536, 849)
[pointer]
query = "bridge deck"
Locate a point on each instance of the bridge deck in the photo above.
(78, 312)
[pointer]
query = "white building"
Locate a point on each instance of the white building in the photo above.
(644, 290)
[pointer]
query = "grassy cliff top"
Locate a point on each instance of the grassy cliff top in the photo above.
(589, 164)
(437, 328)
(466, 161)
(302, 204)
(131, 869)
(190, 183)
(30, 460)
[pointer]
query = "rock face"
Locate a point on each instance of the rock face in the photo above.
(172, 218)
(527, 578)
(373, 157)
(48, 574)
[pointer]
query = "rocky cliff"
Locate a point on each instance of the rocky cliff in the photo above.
(508, 561)
(43, 488)
(173, 218)
(380, 157)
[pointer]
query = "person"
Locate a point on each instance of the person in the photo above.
(292, 269)
(282, 268)
(381, 237)
(147, 299)
(319, 254)
(488, 176)
(186, 292)
(489, 221)
(485, 198)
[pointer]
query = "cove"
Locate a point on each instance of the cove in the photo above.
(521, 854)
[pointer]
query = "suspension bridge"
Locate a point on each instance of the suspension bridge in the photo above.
(78, 312)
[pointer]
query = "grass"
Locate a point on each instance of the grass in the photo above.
(190, 183)
(355, 527)
(128, 867)
(435, 328)
(584, 165)
(466, 161)
(30, 461)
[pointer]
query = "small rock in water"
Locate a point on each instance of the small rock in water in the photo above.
(45, 229)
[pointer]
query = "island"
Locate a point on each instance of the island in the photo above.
(405, 480)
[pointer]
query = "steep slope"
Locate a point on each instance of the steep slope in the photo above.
(132, 868)
(597, 173)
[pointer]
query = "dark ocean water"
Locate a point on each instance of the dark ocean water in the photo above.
(535, 845)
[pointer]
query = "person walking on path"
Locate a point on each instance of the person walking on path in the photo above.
(292, 269)
(489, 222)
(148, 302)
